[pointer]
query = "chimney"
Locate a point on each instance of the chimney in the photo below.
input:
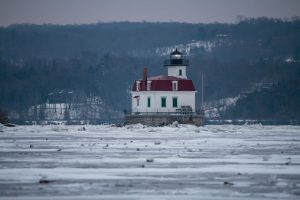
(145, 74)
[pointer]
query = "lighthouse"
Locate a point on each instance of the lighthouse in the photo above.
(167, 98)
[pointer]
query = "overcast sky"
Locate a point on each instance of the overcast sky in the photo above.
(93, 11)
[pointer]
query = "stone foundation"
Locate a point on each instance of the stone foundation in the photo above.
(165, 119)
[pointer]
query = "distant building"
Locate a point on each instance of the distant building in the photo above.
(165, 95)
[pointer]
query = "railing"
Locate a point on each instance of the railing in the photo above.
(183, 110)
(163, 113)
(174, 62)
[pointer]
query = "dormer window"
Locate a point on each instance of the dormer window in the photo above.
(138, 85)
(174, 85)
(148, 85)
(180, 72)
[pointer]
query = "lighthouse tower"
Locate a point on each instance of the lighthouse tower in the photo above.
(177, 65)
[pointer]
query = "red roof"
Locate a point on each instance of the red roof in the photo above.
(164, 83)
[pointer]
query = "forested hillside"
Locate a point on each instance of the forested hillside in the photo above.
(98, 63)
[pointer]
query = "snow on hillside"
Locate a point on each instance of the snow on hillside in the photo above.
(186, 48)
(90, 109)
(213, 109)
(65, 111)
(138, 162)
(291, 60)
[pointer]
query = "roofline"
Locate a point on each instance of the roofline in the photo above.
(171, 91)
(175, 78)
(168, 65)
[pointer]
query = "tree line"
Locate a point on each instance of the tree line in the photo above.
(104, 59)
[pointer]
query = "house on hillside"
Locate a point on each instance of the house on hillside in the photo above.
(164, 99)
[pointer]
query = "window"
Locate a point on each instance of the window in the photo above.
(180, 72)
(163, 102)
(148, 102)
(148, 85)
(138, 86)
(175, 103)
(138, 102)
(174, 85)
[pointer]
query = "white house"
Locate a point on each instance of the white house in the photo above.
(171, 93)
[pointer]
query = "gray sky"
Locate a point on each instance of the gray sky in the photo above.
(92, 11)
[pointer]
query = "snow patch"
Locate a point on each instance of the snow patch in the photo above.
(187, 48)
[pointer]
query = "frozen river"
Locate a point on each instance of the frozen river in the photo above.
(136, 162)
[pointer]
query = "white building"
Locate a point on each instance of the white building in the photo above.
(171, 93)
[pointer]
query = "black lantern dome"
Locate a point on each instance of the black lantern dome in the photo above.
(176, 59)
(176, 55)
